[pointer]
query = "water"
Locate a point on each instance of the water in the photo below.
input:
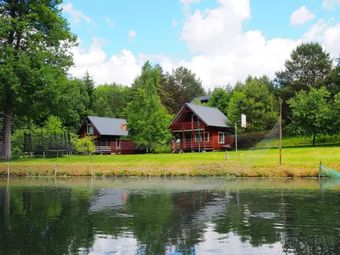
(169, 216)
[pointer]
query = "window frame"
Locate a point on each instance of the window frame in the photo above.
(88, 129)
(221, 134)
(204, 137)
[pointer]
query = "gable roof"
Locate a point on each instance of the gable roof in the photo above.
(109, 126)
(209, 115)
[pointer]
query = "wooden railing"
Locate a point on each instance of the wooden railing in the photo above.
(191, 145)
(103, 149)
(188, 125)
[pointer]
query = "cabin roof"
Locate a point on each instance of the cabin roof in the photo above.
(209, 115)
(109, 126)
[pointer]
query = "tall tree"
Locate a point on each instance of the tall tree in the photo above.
(334, 87)
(336, 113)
(110, 100)
(309, 67)
(181, 86)
(89, 85)
(147, 118)
(255, 100)
(311, 113)
(220, 99)
(34, 44)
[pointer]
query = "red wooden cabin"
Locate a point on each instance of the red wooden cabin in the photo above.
(109, 134)
(200, 128)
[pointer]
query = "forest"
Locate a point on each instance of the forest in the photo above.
(37, 93)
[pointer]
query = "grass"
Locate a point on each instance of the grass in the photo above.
(297, 162)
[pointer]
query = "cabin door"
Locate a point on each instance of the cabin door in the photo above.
(118, 143)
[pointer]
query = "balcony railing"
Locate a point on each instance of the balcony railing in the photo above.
(188, 125)
(188, 145)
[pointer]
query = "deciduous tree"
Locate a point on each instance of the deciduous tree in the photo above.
(34, 44)
(255, 100)
(311, 113)
(148, 120)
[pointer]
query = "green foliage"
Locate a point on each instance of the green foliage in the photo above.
(311, 113)
(336, 113)
(89, 83)
(179, 87)
(110, 100)
(83, 145)
(67, 99)
(308, 67)
(220, 98)
(34, 52)
(334, 87)
(256, 101)
(53, 125)
(147, 118)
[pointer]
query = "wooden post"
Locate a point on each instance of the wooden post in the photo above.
(8, 169)
(192, 131)
(280, 131)
(199, 135)
(182, 139)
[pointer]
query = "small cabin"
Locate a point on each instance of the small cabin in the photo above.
(110, 135)
(200, 128)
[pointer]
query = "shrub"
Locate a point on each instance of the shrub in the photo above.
(83, 145)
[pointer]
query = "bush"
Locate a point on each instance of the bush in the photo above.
(83, 145)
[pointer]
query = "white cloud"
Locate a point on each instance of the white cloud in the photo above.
(132, 35)
(327, 35)
(301, 16)
(222, 51)
(109, 22)
(76, 15)
(330, 4)
(188, 2)
(121, 68)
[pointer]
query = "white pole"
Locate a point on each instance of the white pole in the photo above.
(235, 137)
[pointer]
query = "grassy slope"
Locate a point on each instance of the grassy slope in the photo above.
(301, 161)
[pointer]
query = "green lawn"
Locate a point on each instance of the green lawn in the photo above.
(302, 161)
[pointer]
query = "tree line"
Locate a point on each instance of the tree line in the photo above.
(34, 85)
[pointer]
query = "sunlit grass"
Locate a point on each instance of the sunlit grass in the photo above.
(300, 161)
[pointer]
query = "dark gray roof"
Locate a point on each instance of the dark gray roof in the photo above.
(209, 115)
(109, 126)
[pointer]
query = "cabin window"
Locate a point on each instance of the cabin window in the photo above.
(202, 136)
(117, 142)
(221, 137)
(90, 129)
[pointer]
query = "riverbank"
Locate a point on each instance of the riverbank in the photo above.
(297, 162)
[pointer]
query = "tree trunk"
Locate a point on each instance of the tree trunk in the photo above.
(7, 126)
(314, 135)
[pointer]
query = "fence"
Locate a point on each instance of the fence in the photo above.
(47, 144)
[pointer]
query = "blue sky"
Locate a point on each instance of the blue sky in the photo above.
(222, 41)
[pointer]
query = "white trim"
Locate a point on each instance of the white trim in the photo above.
(221, 133)
(204, 135)
(87, 129)
(118, 142)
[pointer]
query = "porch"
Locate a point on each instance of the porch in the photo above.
(188, 140)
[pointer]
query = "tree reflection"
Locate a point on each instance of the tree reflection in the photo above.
(66, 220)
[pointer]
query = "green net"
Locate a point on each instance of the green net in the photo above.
(328, 172)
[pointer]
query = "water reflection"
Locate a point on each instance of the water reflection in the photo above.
(169, 216)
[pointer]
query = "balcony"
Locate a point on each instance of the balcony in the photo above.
(188, 125)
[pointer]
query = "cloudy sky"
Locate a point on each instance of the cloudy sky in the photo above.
(222, 41)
